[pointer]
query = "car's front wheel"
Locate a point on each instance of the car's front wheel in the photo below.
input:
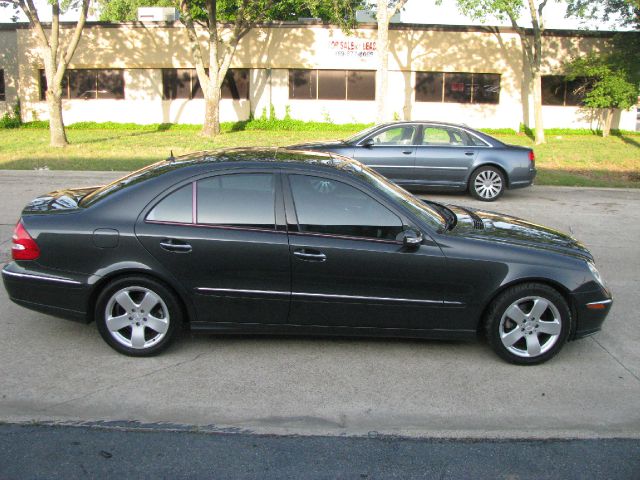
(487, 184)
(138, 316)
(528, 324)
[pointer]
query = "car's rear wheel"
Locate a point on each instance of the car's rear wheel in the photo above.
(138, 316)
(487, 184)
(528, 324)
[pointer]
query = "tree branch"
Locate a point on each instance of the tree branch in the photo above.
(73, 43)
(397, 8)
(194, 44)
(30, 11)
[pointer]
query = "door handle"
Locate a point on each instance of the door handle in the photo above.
(407, 152)
(309, 255)
(175, 246)
(468, 153)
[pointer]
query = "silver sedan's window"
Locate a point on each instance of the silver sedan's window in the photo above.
(400, 135)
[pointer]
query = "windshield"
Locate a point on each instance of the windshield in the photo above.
(420, 209)
(360, 135)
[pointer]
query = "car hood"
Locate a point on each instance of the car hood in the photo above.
(58, 201)
(497, 227)
(318, 145)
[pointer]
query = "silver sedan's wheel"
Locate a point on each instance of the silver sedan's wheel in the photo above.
(138, 315)
(528, 324)
(487, 184)
(530, 327)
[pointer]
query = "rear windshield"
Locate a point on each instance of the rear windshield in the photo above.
(129, 179)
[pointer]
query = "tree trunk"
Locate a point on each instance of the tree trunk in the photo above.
(608, 117)
(211, 126)
(56, 124)
(382, 47)
(537, 105)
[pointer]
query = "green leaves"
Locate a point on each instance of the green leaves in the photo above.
(611, 83)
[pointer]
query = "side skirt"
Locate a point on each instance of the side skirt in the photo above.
(290, 329)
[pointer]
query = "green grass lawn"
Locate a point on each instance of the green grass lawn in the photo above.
(568, 159)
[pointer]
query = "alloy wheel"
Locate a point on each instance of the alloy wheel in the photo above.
(137, 317)
(488, 184)
(530, 326)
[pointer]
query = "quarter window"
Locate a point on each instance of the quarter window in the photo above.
(457, 87)
(237, 200)
(177, 207)
(327, 206)
(332, 84)
(88, 84)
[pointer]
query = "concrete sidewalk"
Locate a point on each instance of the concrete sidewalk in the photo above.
(58, 370)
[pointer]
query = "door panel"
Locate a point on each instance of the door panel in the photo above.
(233, 275)
(363, 283)
(229, 256)
(391, 151)
(444, 156)
(348, 267)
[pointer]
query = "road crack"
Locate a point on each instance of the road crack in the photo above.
(616, 359)
(109, 387)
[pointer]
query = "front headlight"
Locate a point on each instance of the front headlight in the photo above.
(596, 273)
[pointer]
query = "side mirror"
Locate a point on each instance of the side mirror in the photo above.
(368, 143)
(412, 238)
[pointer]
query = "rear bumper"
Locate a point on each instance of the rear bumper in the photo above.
(524, 182)
(64, 296)
(591, 309)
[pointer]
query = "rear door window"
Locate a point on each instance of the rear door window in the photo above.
(237, 200)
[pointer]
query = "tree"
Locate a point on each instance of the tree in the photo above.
(608, 85)
(225, 22)
(56, 57)
(531, 44)
(385, 9)
(627, 11)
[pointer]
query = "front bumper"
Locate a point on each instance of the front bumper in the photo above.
(591, 309)
(64, 296)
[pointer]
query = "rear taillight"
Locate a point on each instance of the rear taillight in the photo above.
(24, 247)
(532, 157)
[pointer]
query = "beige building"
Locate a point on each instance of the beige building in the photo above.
(142, 73)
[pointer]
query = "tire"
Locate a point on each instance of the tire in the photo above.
(138, 316)
(487, 184)
(528, 324)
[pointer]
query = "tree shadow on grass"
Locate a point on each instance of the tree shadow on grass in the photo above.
(626, 139)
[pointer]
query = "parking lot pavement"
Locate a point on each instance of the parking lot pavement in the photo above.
(58, 370)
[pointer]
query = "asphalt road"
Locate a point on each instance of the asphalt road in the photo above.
(70, 452)
(54, 370)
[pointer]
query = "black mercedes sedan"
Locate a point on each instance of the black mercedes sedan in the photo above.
(437, 155)
(278, 241)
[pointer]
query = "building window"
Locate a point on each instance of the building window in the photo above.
(457, 87)
(556, 90)
(89, 84)
(184, 83)
(2, 94)
(332, 84)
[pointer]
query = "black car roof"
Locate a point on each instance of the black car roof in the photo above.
(253, 155)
